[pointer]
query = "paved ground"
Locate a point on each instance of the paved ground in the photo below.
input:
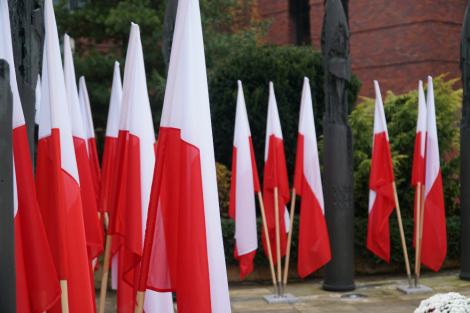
(381, 292)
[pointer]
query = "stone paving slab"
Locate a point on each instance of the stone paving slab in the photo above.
(381, 292)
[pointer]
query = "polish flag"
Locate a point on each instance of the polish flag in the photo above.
(141, 163)
(420, 145)
(90, 135)
(57, 179)
(314, 243)
(117, 208)
(183, 249)
(245, 183)
(381, 196)
(434, 249)
(37, 286)
(110, 143)
(93, 229)
(37, 104)
(275, 175)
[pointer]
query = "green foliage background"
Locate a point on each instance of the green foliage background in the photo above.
(286, 67)
(401, 113)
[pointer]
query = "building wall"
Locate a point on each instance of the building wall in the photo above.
(282, 28)
(397, 42)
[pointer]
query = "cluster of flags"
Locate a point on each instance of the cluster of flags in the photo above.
(430, 225)
(164, 233)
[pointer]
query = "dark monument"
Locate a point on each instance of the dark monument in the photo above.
(465, 150)
(338, 180)
(27, 35)
(168, 30)
(7, 230)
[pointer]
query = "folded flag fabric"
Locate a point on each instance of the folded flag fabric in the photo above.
(57, 179)
(381, 195)
(183, 243)
(244, 185)
(314, 242)
(37, 284)
(434, 249)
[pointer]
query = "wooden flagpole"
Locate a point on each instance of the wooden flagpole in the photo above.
(421, 229)
(418, 215)
(289, 239)
(64, 297)
(106, 220)
(104, 276)
(278, 241)
(268, 242)
(402, 234)
(140, 302)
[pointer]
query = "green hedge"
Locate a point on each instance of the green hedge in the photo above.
(360, 237)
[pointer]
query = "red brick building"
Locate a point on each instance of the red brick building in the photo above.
(396, 42)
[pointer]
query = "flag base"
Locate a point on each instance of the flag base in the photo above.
(275, 299)
(415, 290)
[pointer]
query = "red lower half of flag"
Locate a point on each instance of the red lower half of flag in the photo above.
(36, 278)
(125, 292)
(179, 260)
(314, 242)
(378, 232)
(75, 255)
(106, 182)
(93, 226)
(246, 262)
(95, 166)
(434, 249)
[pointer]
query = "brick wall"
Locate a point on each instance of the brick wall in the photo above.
(396, 42)
(282, 28)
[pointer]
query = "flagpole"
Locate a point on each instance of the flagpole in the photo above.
(421, 228)
(104, 276)
(268, 242)
(402, 234)
(64, 298)
(106, 220)
(418, 215)
(278, 241)
(140, 302)
(289, 238)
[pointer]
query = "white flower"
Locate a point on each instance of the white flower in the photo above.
(451, 302)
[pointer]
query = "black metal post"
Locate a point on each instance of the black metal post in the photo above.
(7, 229)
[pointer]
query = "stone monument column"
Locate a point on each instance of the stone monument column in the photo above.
(7, 229)
(465, 151)
(27, 35)
(338, 176)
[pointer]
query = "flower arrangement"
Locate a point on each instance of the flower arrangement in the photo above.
(451, 302)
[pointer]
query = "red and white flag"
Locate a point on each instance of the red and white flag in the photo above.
(141, 162)
(110, 142)
(420, 145)
(57, 179)
(37, 286)
(245, 184)
(314, 242)
(117, 208)
(93, 228)
(434, 249)
(275, 175)
(381, 196)
(183, 249)
(90, 135)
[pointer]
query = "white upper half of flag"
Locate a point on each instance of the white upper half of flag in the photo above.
(141, 126)
(311, 164)
(245, 206)
(421, 125)
(432, 144)
(380, 124)
(37, 105)
(125, 116)
(273, 123)
(186, 107)
(6, 53)
(114, 114)
(54, 107)
(72, 93)
(86, 110)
